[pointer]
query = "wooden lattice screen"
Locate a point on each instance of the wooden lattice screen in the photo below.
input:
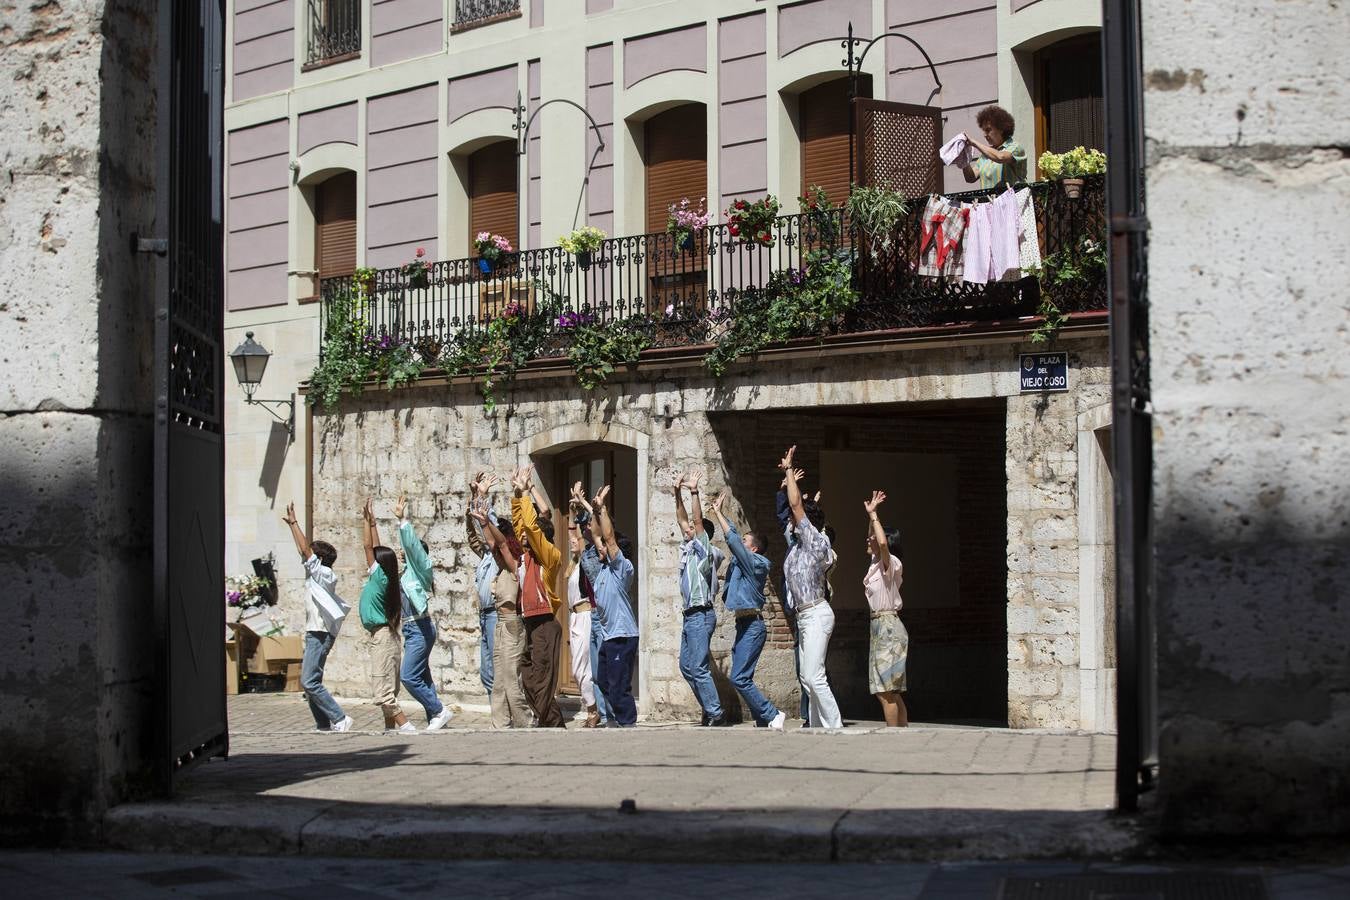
(897, 146)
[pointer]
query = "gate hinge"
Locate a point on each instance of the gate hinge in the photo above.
(1129, 224)
(157, 246)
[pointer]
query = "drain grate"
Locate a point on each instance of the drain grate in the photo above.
(1159, 886)
(184, 877)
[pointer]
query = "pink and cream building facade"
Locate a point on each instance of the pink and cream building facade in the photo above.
(359, 132)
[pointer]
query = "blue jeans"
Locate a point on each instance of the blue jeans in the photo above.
(696, 660)
(487, 628)
(419, 636)
(750, 635)
(601, 704)
(616, 677)
(321, 703)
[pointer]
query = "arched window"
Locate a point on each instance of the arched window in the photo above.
(676, 157)
(492, 191)
(335, 226)
(1070, 111)
(823, 114)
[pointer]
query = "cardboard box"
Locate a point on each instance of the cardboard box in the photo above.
(293, 677)
(266, 655)
(231, 667)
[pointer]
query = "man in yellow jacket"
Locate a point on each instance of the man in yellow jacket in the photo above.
(538, 599)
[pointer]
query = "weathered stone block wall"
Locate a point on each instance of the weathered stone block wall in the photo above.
(1249, 345)
(77, 112)
(428, 438)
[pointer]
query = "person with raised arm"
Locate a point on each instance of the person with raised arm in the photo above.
(574, 584)
(804, 574)
(889, 643)
(532, 518)
(324, 613)
(509, 708)
(610, 571)
(419, 631)
(699, 562)
(784, 515)
(484, 574)
(381, 608)
(744, 597)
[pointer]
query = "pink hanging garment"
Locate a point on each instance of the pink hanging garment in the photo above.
(977, 261)
(1005, 222)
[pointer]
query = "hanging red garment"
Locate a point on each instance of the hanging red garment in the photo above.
(943, 223)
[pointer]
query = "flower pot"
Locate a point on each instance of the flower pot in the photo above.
(583, 259)
(1073, 187)
(687, 241)
(419, 280)
(366, 285)
(485, 265)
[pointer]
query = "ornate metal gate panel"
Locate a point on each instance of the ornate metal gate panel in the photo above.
(897, 146)
(189, 366)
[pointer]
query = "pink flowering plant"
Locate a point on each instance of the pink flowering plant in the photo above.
(492, 246)
(685, 219)
(418, 272)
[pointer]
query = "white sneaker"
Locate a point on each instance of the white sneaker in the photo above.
(345, 725)
(441, 719)
(406, 728)
(777, 723)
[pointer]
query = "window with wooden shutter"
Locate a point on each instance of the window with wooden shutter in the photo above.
(823, 114)
(492, 191)
(335, 226)
(1071, 112)
(676, 156)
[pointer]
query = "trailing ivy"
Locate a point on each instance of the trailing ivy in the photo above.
(498, 350)
(1070, 267)
(599, 348)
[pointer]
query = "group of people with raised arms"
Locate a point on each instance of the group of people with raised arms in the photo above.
(523, 574)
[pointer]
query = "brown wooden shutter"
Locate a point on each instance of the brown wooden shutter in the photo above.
(823, 118)
(492, 192)
(676, 152)
(335, 226)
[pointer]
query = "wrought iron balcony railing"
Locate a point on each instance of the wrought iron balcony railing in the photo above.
(688, 293)
(334, 30)
(471, 12)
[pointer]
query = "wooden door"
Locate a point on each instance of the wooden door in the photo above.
(593, 466)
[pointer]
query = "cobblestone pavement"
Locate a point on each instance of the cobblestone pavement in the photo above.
(275, 751)
(41, 875)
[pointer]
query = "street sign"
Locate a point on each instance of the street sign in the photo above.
(1044, 372)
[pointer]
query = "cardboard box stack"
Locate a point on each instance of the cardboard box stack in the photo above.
(250, 650)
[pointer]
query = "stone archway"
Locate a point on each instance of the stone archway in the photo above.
(544, 446)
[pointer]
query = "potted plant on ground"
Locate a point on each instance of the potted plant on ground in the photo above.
(417, 274)
(493, 250)
(685, 220)
(752, 223)
(1070, 167)
(582, 243)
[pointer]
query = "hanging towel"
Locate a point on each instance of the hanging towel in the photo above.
(1028, 239)
(977, 263)
(942, 226)
(1005, 221)
(957, 151)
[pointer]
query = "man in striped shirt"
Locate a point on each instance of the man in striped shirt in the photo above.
(699, 562)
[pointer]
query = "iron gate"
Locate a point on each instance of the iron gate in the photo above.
(1132, 449)
(897, 146)
(189, 497)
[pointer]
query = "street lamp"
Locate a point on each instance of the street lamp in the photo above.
(250, 361)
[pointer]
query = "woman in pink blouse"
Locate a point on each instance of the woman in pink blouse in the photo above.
(889, 642)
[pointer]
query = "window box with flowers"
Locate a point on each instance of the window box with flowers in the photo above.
(685, 221)
(494, 250)
(1070, 167)
(583, 243)
(417, 274)
(753, 223)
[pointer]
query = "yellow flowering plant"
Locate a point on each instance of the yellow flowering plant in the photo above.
(586, 239)
(1073, 163)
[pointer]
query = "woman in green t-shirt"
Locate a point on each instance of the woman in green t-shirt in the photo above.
(381, 609)
(1003, 161)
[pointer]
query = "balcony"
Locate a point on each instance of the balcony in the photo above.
(688, 299)
(334, 32)
(473, 13)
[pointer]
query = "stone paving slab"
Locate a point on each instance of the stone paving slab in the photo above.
(869, 793)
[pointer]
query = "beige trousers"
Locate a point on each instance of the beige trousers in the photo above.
(385, 653)
(509, 708)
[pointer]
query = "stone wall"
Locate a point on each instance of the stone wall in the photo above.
(77, 110)
(426, 438)
(1252, 462)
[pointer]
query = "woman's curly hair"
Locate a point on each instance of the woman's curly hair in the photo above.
(999, 118)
